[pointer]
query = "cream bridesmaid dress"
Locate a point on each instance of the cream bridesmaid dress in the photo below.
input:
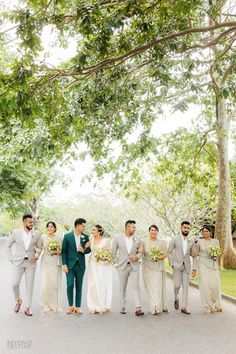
(51, 273)
(154, 277)
(209, 277)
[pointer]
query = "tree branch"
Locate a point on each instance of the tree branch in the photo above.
(227, 72)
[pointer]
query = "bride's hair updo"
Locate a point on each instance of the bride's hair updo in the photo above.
(100, 229)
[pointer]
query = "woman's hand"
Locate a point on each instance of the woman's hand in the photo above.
(87, 245)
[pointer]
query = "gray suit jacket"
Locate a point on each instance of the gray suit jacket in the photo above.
(16, 247)
(176, 255)
(120, 252)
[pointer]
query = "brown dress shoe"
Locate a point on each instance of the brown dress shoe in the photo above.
(122, 311)
(70, 310)
(17, 306)
(185, 311)
(78, 311)
(139, 312)
(218, 309)
(176, 304)
(165, 310)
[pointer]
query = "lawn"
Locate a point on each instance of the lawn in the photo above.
(228, 281)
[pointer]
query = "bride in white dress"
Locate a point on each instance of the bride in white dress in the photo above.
(99, 294)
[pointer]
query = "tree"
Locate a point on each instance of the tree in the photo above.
(181, 182)
(148, 51)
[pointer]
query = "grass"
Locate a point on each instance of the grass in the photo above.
(227, 277)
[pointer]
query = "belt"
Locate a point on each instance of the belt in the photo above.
(26, 258)
(128, 263)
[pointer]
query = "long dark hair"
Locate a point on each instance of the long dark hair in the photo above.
(53, 223)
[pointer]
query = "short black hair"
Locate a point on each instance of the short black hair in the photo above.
(79, 221)
(185, 222)
(53, 223)
(130, 222)
(154, 226)
(27, 216)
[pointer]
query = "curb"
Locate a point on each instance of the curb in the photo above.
(191, 283)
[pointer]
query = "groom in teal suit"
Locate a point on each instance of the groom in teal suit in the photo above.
(74, 247)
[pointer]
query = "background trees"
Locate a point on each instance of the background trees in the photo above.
(133, 59)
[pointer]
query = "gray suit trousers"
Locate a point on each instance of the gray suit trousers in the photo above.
(181, 277)
(133, 276)
(28, 269)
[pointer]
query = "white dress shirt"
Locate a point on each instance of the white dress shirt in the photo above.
(129, 243)
(27, 237)
(185, 244)
(77, 240)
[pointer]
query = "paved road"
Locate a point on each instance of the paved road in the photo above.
(112, 333)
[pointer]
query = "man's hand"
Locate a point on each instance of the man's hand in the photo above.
(133, 258)
(33, 259)
(65, 269)
(87, 245)
(80, 249)
(193, 273)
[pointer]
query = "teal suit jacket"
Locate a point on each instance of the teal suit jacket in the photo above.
(69, 251)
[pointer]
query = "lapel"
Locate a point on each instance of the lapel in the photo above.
(82, 238)
(123, 243)
(32, 238)
(72, 237)
(125, 246)
(181, 244)
(22, 239)
(134, 243)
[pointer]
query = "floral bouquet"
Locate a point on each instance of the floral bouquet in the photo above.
(214, 252)
(155, 253)
(53, 246)
(104, 255)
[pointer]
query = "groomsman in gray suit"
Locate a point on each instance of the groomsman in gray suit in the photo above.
(127, 251)
(180, 249)
(22, 245)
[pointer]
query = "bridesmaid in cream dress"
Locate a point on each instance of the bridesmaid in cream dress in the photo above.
(154, 273)
(99, 294)
(209, 277)
(51, 297)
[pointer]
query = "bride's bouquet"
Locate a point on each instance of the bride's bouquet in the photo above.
(52, 247)
(214, 252)
(104, 255)
(155, 253)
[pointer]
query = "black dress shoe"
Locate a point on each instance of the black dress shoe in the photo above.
(176, 304)
(185, 311)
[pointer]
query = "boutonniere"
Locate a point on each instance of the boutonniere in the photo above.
(134, 238)
(82, 237)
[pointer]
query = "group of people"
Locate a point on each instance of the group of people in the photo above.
(128, 253)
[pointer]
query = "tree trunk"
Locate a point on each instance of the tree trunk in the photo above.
(33, 206)
(223, 212)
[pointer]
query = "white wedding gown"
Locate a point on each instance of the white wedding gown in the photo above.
(99, 294)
